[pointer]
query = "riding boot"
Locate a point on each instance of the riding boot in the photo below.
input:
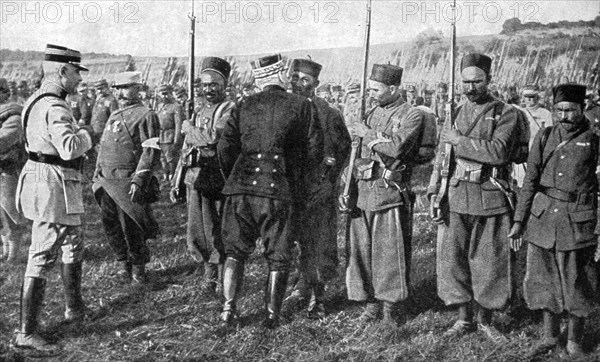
(233, 276)
(274, 294)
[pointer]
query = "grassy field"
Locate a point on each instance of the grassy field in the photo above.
(170, 320)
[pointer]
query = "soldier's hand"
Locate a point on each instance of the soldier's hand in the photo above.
(451, 136)
(343, 202)
(136, 194)
(174, 195)
(597, 254)
(89, 130)
(515, 236)
(360, 130)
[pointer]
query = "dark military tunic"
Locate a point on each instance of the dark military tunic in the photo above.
(200, 155)
(380, 238)
(318, 227)
(473, 258)
(558, 204)
(267, 146)
(121, 162)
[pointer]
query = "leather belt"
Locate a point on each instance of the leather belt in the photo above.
(75, 164)
(390, 175)
(583, 198)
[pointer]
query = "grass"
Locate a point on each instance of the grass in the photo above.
(170, 320)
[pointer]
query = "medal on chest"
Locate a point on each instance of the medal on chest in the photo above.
(116, 126)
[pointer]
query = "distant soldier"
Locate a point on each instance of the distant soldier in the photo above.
(123, 181)
(12, 158)
(248, 89)
(50, 193)
(170, 117)
(23, 91)
(269, 143)
(317, 232)
(474, 256)
(352, 104)
(146, 96)
(393, 138)
(336, 96)
(558, 209)
(181, 98)
(411, 94)
(441, 100)
(592, 111)
(428, 98)
(104, 106)
(203, 176)
(81, 105)
(324, 92)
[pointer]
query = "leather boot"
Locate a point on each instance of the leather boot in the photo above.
(75, 309)
(274, 294)
(32, 298)
(9, 252)
(138, 274)
(211, 275)
(316, 306)
(388, 312)
(549, 340)
(575, 331)
(233, 276)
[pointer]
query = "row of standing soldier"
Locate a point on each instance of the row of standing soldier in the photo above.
(278, 156)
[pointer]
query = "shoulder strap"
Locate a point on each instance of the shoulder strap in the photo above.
(28, 110)
(560, 145)
(480, 116)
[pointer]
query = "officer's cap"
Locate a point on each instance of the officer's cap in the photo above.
(266, 66)
(480, 61)
(101, 83)
(307, 66)
(126, 79)
(60, 54)
(530, 90)
(386, 74)
(569, 93)
(217, 65)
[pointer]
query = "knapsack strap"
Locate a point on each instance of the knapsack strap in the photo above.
(28, 110)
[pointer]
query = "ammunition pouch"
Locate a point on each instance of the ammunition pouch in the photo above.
(367, 169)
(474, 172)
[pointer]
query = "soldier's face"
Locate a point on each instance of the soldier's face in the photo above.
(70, 77)
(530, 100)
(380, 92)
(567, 114)
(213, 87)
(303, 84)
(475, 83)
(128, 94)
(427, 99)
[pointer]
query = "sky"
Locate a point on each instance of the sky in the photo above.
(227, 27)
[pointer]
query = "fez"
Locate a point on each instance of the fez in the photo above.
(480, 61)
(60, 54)
(217, 65)
(386, 73)
(307, 66)
(569, 93)
(127, 79)
(266, 66)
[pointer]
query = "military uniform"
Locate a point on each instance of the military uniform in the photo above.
(49, 192)
(12, 158)
(558, 205)
(267, 145)
(170, 117)
(103, 107)
(378, 267)
(121, 162)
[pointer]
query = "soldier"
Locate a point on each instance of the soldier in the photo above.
(538, 118)
(336, 96)
(557, 210)
(203, 177)
(12, 158)
(124, 185)
(441, 100)
(170, 117)
(181, 98)
(14, 92)
(592, 111)
(393, 137)
(267, 146)
(411, 94)
(324, 92)
(352, 104)
(49, 192)
(23, 91)
(81, 105)
(104, 105)
(317, 227)
(428, 98)
(473, 257)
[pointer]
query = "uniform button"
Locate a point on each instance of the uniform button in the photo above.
(116, 140)
(272, 185)
(560, 174)
(555, 210)
(254, 182)
(562, 157)
(276, 157)
(257, 169)
(274, 170)
(259, 156)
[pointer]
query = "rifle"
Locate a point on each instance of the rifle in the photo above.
(356, 140)
(441, 198)
(190, 105)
